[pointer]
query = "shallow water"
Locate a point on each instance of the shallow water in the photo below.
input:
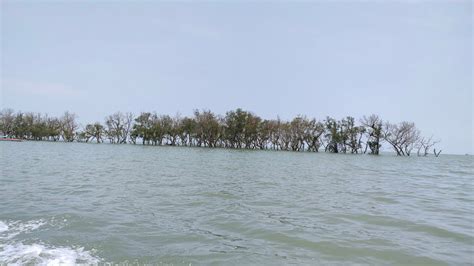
(89, 203)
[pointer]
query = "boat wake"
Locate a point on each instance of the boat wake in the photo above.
(14, 252)
(14, 228)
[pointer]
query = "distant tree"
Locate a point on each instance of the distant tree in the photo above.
(157, 131)
(7, 122)
(169, 127)
(424, 145)
(53, 126)
(235, 122)
(186, 131)
(403, 137)
(80, 136)
(332, 136)
(174, 130)
(207, 128)
(312, 135)
(297, 133)
(275, 131)
(373, 128)
(118, 126)
(252, 125)
(284, 130)
(240, 129)
(142, 127)
(352, 135)
(237, 129)
(68, 126)
(263, 137)
(37, 127)
(94, 131)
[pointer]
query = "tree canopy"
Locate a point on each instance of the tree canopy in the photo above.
(237, 129)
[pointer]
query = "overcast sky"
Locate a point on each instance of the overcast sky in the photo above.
(404, 61)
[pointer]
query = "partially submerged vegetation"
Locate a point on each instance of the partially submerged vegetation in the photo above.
(237, 129)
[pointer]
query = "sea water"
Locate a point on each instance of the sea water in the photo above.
(66, 203)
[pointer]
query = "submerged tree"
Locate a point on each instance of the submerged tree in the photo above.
(186, 130)
(332, 136)
(68, 126)
(94, 131)
(312, 134)
(7, 122)
(207, 128)
(403, 137)
(352, 135)
(425, 144)
(119, 126)
(373, 130)
(142, 128)
(238, 129)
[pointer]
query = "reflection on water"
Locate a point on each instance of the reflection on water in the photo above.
(72, 202)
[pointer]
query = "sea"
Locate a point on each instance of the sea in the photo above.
(86, 203)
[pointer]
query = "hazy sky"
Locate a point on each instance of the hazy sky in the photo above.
(401, 60)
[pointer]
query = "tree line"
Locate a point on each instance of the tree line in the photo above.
(238, 129)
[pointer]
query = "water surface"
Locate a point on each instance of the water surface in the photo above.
(77, 202)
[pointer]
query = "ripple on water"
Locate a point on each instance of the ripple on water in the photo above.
(204, 206)
(407, 225)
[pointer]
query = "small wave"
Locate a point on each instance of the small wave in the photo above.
(14, 253)
(3, 227)
(14, 228)
(38, 254)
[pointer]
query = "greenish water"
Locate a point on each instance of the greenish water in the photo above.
(73, 202)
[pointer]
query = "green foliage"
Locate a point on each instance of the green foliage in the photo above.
(238, 129)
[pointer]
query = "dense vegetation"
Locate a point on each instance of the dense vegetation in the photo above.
(238, 129)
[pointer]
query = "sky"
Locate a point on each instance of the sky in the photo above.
(403, 60)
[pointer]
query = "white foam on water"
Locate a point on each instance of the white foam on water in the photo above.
(12, 229)
(38, 254)
(13, 253)
(3, 227)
